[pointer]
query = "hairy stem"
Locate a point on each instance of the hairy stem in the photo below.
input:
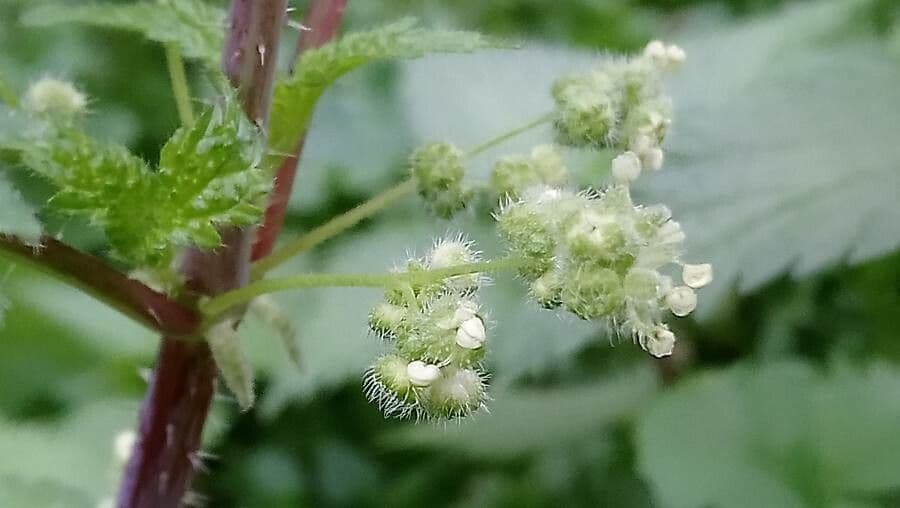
(506, 136)
(180, 86)
(333, 227)
(91, 275)
(161, 469)
(323, 19)
(215, 307)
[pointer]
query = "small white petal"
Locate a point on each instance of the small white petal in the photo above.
(471, 334)
(626, 167)
(421, 373)
(697, 276)
(661, 343)
(681, 301)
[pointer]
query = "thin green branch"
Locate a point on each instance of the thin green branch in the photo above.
(333, 227)
(506, 136)
(179, 84)
(218, 305)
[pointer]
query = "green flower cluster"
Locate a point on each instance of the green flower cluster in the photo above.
(600, 256)
(438, 334)
(621, 106)
(438, 171)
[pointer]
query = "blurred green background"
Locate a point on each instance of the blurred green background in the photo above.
(784, 169)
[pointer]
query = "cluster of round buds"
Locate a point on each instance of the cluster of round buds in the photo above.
(54, 97)
(512, 175)
(438, 171)
(438, 336)
(620, 106)
(601, 257)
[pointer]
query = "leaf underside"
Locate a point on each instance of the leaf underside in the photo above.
(197, 27)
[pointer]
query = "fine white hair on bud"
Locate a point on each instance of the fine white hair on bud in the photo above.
(626, 167)
(438, 171)
(471, 333)
(455, 250)
(681, 300)
(54, 96)
(697, 276)
(455, 394)
(421, 373)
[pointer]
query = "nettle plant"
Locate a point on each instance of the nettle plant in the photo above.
(196, 231)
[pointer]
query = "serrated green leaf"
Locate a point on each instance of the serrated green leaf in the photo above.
(197, 27)
(296, 96)
(778, 435)
(522, 421)
(209, 176)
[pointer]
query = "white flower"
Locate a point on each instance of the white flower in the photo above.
(661, 343)
(626, 167)
(471, 333)
(697, 276)
(681, 300)
(421, 373)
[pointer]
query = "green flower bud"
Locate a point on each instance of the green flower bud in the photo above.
(438, 171)
(592, 293)
(641, 285)
(594, 236)
(547, 290)
(54, 97)
(457, 393)
(387, 384)
(388, 320)
(587, 110)
(512, 175)
(456, 251)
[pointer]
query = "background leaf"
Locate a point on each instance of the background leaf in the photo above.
(523, 420)
(17, 217)
(774, 435)
(196, 26)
